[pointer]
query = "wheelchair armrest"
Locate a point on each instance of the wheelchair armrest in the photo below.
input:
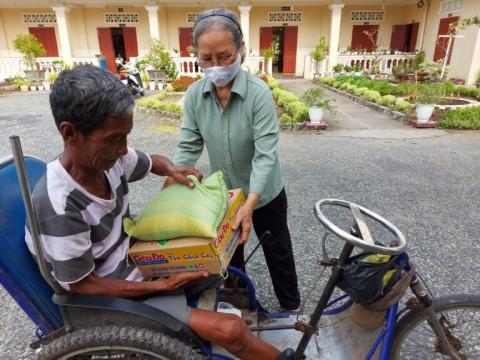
(123, 307)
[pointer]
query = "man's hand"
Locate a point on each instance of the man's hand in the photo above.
(178, 281)
(179, 174)
(244, 217)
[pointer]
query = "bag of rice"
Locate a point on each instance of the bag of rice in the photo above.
(179, 211)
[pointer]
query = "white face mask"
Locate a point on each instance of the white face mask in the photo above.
(222, 75)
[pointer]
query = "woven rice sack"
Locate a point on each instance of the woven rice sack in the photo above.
(180, 211)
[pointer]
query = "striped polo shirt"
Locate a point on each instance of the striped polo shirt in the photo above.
(81, 232)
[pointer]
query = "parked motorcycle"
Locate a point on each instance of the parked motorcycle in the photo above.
(130, 76)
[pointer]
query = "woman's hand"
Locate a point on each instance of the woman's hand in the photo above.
(244, 217)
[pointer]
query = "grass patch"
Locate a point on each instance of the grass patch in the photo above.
(466, 118)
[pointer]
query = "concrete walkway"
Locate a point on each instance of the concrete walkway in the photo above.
(355, 120)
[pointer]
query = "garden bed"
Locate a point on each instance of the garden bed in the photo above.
(391, 99)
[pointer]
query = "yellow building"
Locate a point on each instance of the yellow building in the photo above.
(78, 30)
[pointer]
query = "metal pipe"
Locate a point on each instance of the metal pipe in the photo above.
(322, 303)
(30, 211)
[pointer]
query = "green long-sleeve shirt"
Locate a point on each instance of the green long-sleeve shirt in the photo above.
(241, 139)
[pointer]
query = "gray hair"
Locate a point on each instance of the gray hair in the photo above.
(87, 95)
(224, 19)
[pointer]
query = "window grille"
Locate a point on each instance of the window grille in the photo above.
(368, 15)
(121, 18)
(39, 18)
(285, 16)
(192, 17)
(451, 6)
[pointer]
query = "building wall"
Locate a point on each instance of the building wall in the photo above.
(11, 24)
(465, 61)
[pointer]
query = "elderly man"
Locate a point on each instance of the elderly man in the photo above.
(83, 197)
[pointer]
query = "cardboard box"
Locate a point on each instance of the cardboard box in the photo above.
(168, 257)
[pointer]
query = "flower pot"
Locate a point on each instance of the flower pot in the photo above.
(422, 76)
(23, 87)
(151, 85)
(424, 112)
(46, 86)
(33, 87)
(315, 114)
(40, 87)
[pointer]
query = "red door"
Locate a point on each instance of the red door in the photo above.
(399, 37)
(290, 35)
(266, 36)
(413, 37)
(130, 42)
(360, 40)
(106, 47)
(185, 40)
(46, 35)
(444, 28)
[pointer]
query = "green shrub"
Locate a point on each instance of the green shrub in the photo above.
(388, 100)
(344, 86)
(285, 119)
(276, 92)
(153, 102)
(336, 84)
(286, 97)
(299, 112)
(272, 82)
(404, 107)
(462, 118)
(351, 88)
(372, 95)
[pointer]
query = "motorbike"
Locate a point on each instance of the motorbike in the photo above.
(130, 76)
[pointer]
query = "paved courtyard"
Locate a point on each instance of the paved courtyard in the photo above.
(424, 181)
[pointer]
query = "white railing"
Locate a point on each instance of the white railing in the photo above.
(189, 65)
(386, 62)
(13, 66)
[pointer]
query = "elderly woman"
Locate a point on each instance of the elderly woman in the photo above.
(233, 114)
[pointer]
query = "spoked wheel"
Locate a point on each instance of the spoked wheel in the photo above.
(459, 316)
(117, 342)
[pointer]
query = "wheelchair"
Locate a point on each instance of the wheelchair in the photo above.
(73, 326)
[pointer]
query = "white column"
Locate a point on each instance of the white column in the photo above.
(335, 21)
(61, 15)
(245, 24)
(153, 21)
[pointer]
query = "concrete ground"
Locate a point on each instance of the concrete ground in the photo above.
(424, 181)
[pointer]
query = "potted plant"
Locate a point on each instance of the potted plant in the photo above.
(319, 53)
(268, 54)
(51, 78)
(425, 98)
(22, 83)
(191, 51)
(30, 48)
(337, 69)
(315, 99)
(162, 66)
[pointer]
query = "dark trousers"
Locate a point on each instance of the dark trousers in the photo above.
(277, 250)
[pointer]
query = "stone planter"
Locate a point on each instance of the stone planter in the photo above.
(424, 112)
(151, 85)
(157, 75)
(33, 87)
(46, 86)
(40, 87)
(422, 76)
(35, 75)
(24, 87)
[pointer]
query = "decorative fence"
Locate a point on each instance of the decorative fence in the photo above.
(386, 62)
(12, 66)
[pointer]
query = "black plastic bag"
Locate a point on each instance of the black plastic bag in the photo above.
(369, 276)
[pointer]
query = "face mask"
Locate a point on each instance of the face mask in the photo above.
(222, 75)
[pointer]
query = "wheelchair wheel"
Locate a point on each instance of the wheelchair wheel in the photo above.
(116, 342)
(460, 317)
